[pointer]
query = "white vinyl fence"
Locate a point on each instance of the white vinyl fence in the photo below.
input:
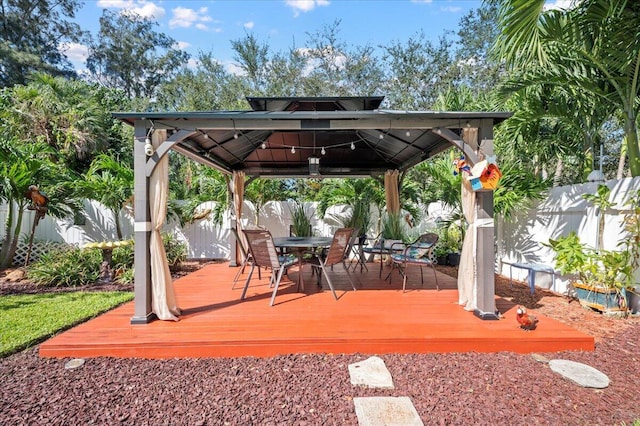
(520, 240)
(563, 211)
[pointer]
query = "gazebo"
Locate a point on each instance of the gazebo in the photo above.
(306, 137)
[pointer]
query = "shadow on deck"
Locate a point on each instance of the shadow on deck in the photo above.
(377, 318)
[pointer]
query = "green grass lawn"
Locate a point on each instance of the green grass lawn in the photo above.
(29, 319)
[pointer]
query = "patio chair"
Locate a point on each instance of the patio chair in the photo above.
(264, 255)
(246, 258)
(418, 253)
(355, 249)
(334, 255)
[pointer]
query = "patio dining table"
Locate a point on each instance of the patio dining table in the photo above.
(300, 245)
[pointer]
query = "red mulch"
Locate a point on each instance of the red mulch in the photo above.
(304, 389)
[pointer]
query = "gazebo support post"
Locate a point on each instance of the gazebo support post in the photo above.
(142, 231)
(485, 256)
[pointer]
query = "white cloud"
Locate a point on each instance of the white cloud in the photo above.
(557, 4)
(249, 25)
(186, 18)
(305, 5)
(193, 63)
(234, 69)
(142, 8)
(182, 45)
(75, 52)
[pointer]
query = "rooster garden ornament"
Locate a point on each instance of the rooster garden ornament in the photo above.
(527, 322)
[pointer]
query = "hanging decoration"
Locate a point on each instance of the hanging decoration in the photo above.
(485, 175)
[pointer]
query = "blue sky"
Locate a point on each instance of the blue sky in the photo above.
(210, 25)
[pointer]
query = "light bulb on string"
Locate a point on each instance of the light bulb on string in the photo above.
(381, 136)
(353, 146)
(264, 145)
(408, 133)
(235, 135)
(323, 151)
(293, 149)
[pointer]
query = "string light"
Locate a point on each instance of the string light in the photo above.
(293, 149)
(381, 136)
(353, 146)
(323, 151)
(408, 133)
(264, 145)
(235, 135)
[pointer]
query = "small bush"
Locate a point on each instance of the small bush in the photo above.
(176, 251)
(67, 266)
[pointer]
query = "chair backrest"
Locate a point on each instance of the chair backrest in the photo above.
(261, 247)
(240, 241)
(423, 246)
(339, 245)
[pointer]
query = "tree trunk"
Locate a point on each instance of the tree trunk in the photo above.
(558, 172)
(12, 235)
(633, 150)
(621, 160)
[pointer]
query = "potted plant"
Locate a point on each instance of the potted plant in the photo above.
(604, 278)
(301, 221)
(601, 277)
(392, 229)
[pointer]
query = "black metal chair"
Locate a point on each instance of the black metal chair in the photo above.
(418, 253)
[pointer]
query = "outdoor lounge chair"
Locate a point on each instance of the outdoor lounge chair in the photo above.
(334, 255)
(246, 258)
(264, 255)
(418, 253)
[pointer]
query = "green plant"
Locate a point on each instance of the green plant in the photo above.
(301, 221)
(448, 240)
(598, 267)
(393, 227)
(359, 216)
(67, 266)
(176, 250)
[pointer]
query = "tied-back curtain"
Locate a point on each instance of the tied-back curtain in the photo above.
(391, 191)
(163, 301)
(467, 271)
(238, 201)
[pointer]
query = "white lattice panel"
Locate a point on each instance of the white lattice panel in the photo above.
(38, 248)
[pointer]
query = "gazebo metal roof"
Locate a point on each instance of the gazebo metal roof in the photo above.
(350, 135)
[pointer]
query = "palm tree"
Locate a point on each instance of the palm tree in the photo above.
(23, 165)
(593, 47)
(109, 182)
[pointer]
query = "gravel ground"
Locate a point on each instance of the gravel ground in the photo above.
(460, 388)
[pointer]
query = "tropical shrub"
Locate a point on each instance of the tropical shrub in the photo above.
(66, 266)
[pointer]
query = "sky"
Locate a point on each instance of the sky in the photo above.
(211, 25)
(203, 25)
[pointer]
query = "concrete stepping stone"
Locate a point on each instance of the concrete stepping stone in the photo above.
(370, 373)
(581, 374)
(386, 411)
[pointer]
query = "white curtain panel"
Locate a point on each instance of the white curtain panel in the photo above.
(391, 191)
(238, 201)
(163, 301)
(467, 270)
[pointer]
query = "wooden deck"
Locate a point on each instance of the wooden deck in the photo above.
(377, 318)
